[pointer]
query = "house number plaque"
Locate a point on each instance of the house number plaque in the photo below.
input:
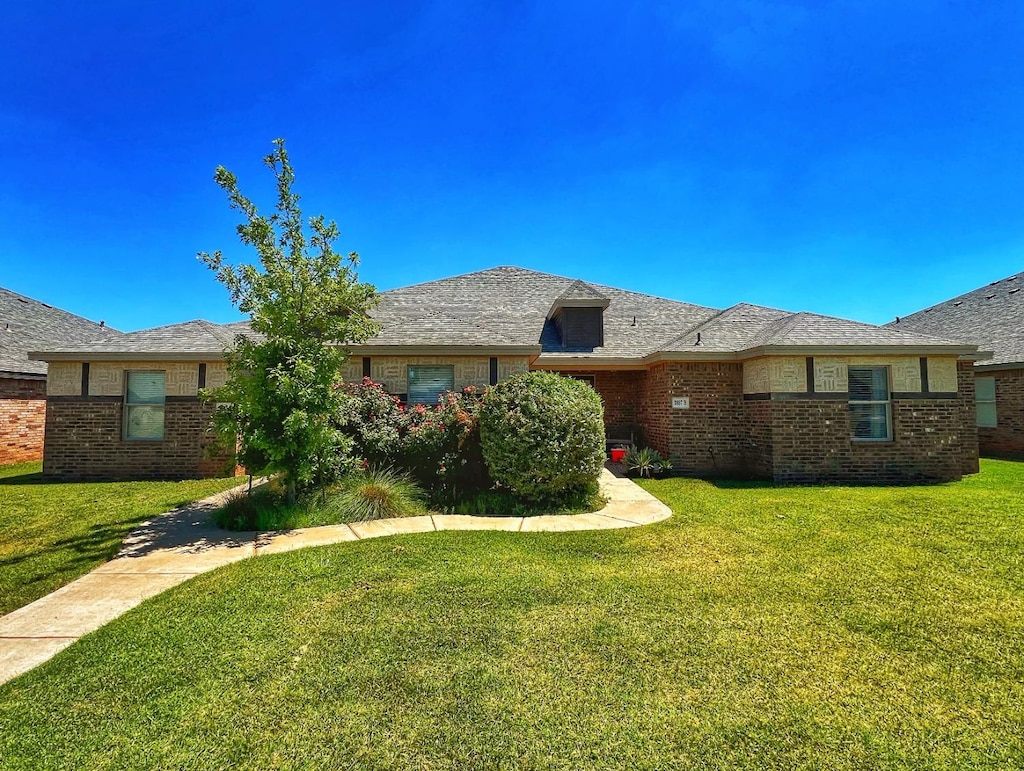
(680, 402)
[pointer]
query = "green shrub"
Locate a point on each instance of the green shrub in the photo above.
(375, 494)
(542, 436)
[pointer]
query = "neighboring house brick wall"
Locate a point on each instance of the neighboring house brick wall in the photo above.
(1007, 438)
(710, 437)
(84, 441)
(22, 418)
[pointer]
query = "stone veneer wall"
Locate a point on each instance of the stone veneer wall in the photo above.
(709, 438)
(391, 371)
(1006, 440)
(799, 435)
(84, 439)
(22, 418)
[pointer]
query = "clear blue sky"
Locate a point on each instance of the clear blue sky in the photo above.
(862, 159)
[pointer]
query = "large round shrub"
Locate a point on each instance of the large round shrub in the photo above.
(542, 435)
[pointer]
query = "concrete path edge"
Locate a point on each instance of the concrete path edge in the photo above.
(177, 545)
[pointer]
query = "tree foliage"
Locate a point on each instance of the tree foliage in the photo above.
(305, 303)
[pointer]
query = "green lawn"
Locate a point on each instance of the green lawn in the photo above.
(51, 533)
(834, 628)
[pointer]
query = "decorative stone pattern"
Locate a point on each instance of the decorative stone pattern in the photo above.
(391, 371)
(904, 371)
(787, 374)
(352, 370)
(830, 375)
(22, 418)
(216, 374)
(83, 441)
(1006, 440)
(64, 378)
(775, 374)
(942, 374)
(512, 365)
(756, 379)
(106, 378)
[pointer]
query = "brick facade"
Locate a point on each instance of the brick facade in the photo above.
(621, 392)
(84, 441)
(811, 442)
(1006, 440)
(22, 417)
(710, 437)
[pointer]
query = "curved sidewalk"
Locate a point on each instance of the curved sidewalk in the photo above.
(173, 547)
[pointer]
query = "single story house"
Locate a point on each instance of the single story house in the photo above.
(744, 391)
(27, 324)
(993, 318)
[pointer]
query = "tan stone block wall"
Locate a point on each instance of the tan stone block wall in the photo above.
(64, 378)
(788, 374)
(469, 370)
(942, 374)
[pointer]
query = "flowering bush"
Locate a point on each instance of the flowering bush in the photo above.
(438, 445)
(373, 418)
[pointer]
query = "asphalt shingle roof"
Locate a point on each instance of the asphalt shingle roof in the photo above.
(517, 301)
(509, 306)
(191, 337)
(27, 325)
(991, 317)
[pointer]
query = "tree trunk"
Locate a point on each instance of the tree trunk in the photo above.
(290, 487)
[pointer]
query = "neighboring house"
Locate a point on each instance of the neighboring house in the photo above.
(745, 391)
(993, 318)
(27, 324)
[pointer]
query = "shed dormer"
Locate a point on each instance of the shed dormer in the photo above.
(578, 314)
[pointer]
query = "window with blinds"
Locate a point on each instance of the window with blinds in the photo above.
(144, 397)
(985, 401)
(427, 383)
(870, 414)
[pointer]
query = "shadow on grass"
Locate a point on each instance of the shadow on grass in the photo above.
(34, 478)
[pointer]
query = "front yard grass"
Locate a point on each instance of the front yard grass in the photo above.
(51, 533)
(760, 627)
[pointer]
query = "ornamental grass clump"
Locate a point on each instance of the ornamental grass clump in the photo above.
(542, 436)
(375, 494)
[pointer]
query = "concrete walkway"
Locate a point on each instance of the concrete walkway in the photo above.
(175, 546)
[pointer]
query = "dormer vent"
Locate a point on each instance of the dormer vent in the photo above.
(578, 314)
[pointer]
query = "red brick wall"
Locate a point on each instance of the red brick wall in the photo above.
(621, 392)
(968, 417)
(22, 416)
(760, 458)
(83, 441)
(709, 438)
(811, 442)
(1007, 438)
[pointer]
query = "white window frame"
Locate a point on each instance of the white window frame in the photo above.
(129, 406)
(887, 402)
(978, 401)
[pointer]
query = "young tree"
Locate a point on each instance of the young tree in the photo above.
(306, 303)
